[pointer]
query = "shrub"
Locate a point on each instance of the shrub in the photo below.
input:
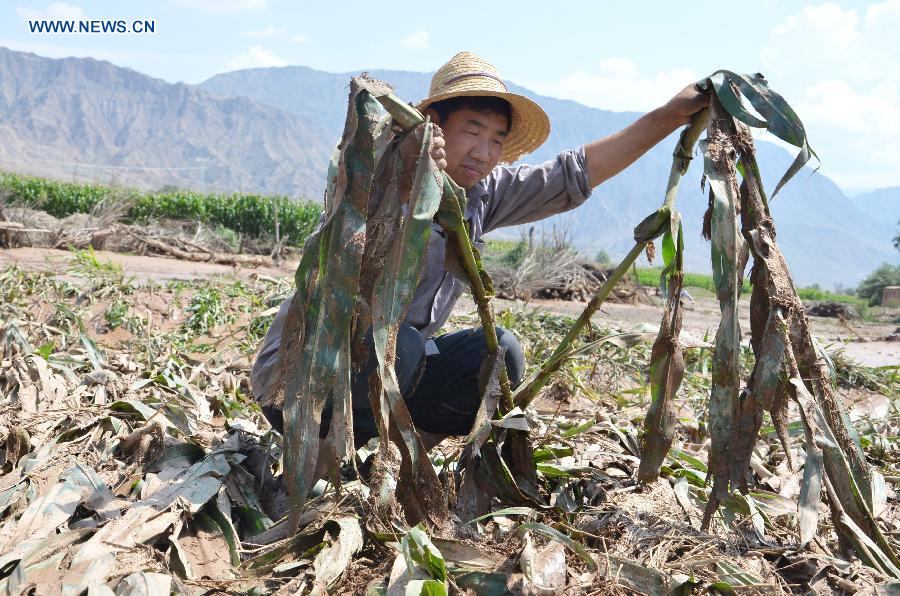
(873, 286)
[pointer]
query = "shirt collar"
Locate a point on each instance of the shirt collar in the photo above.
(475, 194)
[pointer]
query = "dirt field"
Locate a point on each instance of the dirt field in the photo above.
(863, 341)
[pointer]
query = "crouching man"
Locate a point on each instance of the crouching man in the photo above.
(483, 125)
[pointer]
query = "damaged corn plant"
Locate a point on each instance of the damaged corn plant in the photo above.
(374, 253)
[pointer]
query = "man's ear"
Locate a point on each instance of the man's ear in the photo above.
(435, 117)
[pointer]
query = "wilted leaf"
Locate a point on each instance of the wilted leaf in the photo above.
(780, 118)
(149, 518)
(810, 495)
(317, 327)
(44, 514)
(144, 583)
(666, 363)
(546, 569)
(568, 542)
(332, 561)
(724, 405)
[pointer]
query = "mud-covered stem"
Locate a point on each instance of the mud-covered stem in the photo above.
(681, 158)
(526, 393)
(458, 235)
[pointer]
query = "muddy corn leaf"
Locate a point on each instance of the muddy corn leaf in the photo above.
(826, 424)
(778, 116)
(317, 327)
(666, 363)
(393, 291)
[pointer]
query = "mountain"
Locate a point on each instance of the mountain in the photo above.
(882, 204)
(271, 130)
(826, 238)
(66, 117)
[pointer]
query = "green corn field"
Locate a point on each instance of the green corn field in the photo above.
(250, 215)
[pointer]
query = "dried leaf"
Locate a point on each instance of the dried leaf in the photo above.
(149, 518)
(545, 569)
(144, 583)
(332, 561)
(568, 542)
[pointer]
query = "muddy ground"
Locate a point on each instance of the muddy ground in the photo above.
(866, 342)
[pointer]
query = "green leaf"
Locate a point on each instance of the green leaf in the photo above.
(418, 549)
(577, 430)
(426, 587)
(681, 455)
(555, 471)
(542, 454)
(504, 512)
(45, 350)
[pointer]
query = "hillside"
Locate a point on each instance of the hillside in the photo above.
(882, 204)
(61, 117)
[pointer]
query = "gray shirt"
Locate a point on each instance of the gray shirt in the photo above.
(508, 196)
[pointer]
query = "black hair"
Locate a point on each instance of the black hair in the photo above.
(483, 104)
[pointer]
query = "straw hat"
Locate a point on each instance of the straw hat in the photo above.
(467, 74)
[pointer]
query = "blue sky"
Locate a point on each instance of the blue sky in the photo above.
(838, 63)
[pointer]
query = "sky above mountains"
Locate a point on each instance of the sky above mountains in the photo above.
(837, 63)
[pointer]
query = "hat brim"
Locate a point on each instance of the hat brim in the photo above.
(530, 125)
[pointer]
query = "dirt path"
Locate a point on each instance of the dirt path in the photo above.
(864, 343)
(140, 268)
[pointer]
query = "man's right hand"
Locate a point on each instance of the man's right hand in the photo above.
(437, 147)
(409, 147)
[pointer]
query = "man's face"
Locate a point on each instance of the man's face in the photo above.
(473, 144)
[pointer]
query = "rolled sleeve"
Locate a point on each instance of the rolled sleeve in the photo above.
(527, 193)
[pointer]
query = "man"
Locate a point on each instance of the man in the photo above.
(483, 124)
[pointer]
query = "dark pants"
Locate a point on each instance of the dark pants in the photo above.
(446, 398)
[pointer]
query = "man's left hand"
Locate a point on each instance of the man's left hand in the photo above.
(686, 103)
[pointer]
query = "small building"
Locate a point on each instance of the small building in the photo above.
(891, 297)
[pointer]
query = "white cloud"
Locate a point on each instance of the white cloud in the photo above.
(263, 33)
(617, 84)
(417, 40)
(840, 70)
(255, 57)
(57, 11)
(223, 6)
(299, 38)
